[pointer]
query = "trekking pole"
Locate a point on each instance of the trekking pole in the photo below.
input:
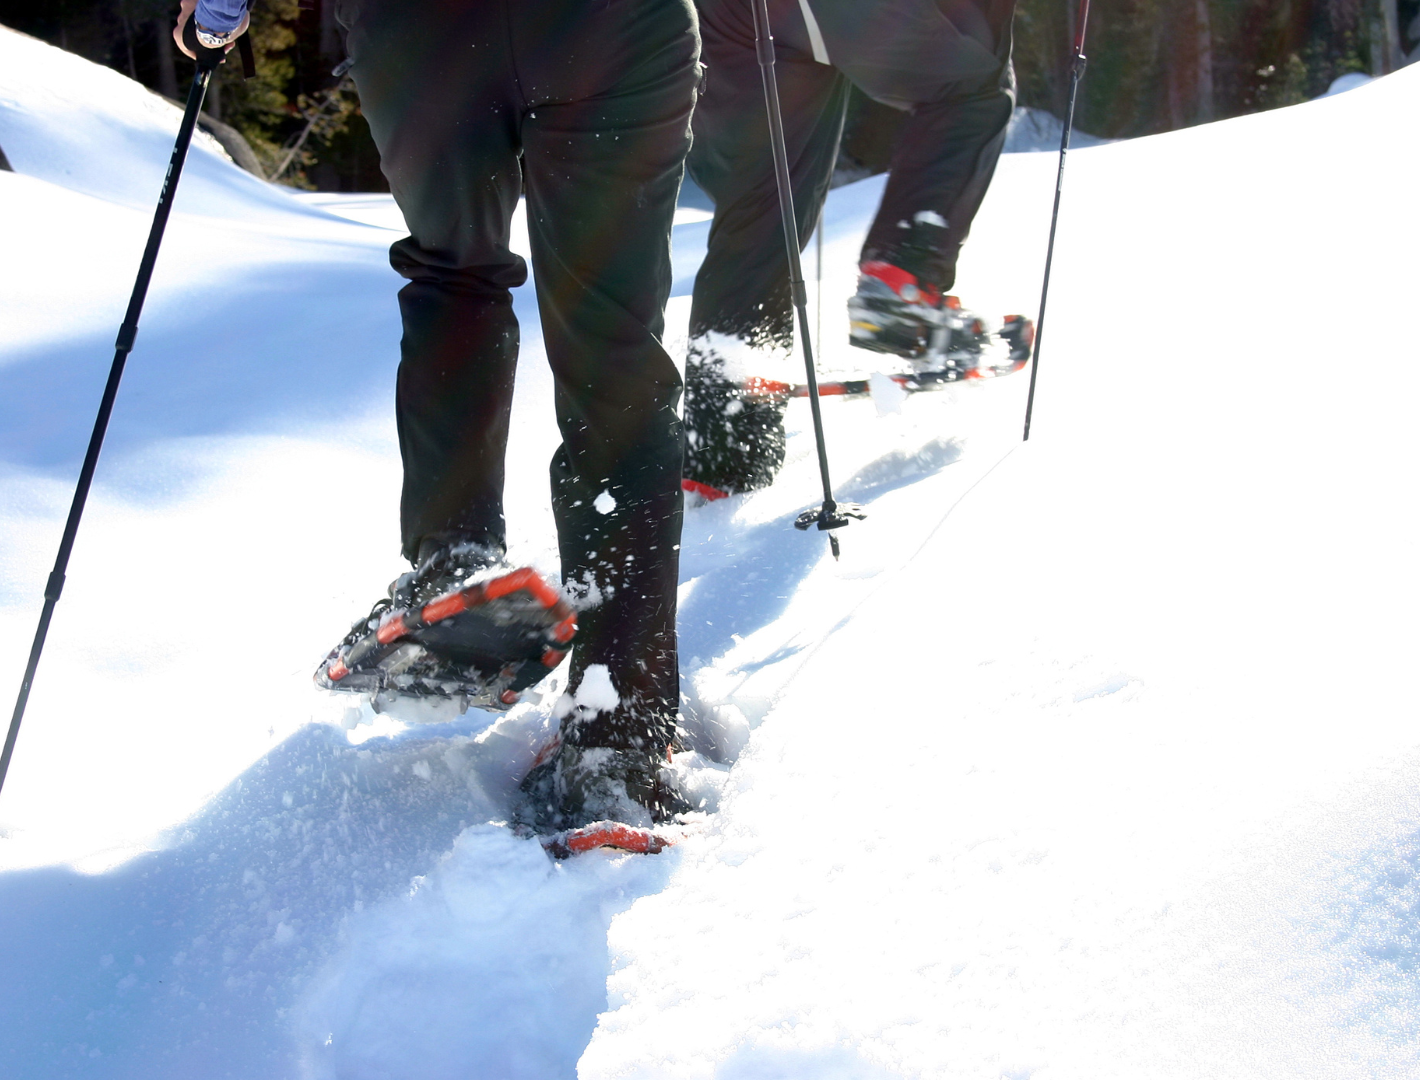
(818, 276)
(1077, 69)
(830, 515)
(208, 59)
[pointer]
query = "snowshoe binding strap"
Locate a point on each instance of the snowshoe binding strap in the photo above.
(487, 641)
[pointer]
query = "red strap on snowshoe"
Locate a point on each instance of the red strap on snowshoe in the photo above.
(705, 491)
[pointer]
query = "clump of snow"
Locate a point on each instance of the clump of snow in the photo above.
(888, 394)
(701, 780)
(595, 693)
(735, 359)
(604, 503)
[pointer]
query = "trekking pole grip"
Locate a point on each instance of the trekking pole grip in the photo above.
(207, 59)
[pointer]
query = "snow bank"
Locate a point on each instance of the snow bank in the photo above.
(90, 129)
(1036, 130)
(1349, 81)
(1141, 801)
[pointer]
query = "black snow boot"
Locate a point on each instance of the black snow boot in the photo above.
(570, 787)
(734, 426)
(893, 311)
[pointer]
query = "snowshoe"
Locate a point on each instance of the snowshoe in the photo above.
(460, 628)
(893, 312)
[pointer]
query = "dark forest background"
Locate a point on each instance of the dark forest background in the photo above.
(1154, 65)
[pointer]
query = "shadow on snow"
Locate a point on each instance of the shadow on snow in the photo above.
(199, 960)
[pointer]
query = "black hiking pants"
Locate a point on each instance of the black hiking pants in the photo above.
(585, 106)
(946, 62)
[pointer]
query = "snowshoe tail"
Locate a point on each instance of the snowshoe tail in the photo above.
(486, 642)
(607, 834)
(704, 491)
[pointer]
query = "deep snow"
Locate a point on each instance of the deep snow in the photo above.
(1094, 757)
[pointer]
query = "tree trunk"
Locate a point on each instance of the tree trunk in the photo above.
(128, 39)
(1177, 117)
(232, 141)
(331, 47)
(1204, 27)
(1385, 38)
(167, 67)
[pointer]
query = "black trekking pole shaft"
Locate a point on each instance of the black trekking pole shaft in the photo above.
(127, 334)
(764, 49)
(1077, 69)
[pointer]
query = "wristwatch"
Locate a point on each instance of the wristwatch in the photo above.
(212, 39)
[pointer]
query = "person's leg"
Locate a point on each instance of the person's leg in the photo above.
(741, 321)
(949, 61)
(742, 289)
(608, 93)
(435, 87)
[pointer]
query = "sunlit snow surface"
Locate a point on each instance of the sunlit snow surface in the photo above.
(1093, 758)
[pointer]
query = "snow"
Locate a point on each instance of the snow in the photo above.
(1036, 130)
(1094, 757)
(1349, 81)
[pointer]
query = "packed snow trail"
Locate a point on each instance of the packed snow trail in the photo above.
(1139, 796)
(1093, 758)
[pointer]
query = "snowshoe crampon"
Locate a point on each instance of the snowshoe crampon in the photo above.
(485, 642)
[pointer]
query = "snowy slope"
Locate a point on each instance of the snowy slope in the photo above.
(1094, 757)
(1144, 801)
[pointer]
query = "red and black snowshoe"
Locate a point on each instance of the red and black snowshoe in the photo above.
(892, 312)
(484, 641)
